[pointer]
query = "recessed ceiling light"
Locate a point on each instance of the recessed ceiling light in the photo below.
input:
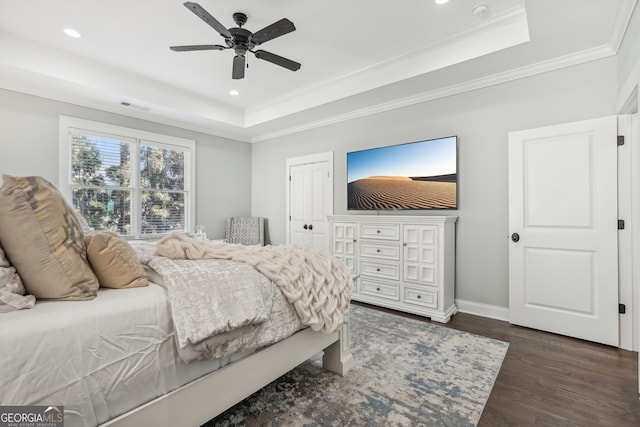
(441, 1)
(234, 92)
(72, 33)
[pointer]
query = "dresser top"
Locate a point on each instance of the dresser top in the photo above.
(384, 219)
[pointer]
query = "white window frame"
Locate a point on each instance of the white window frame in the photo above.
(69, 125)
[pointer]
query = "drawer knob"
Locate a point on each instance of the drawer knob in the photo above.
(377, 269)
(378, 289)
(378, 231)
(378, 250)
(419, 296)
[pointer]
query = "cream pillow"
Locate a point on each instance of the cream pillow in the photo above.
(12, 292)
(42, 237)
(114, 261)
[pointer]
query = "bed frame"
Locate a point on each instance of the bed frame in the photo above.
(203, 399)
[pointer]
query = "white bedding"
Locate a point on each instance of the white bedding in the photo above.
(317, 284)
(119, 352)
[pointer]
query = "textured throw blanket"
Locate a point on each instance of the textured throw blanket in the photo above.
(318, 285)
(210, 297)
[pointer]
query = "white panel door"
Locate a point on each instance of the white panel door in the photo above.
(563, 256)
(321, 205)
(310, 195)
(298, 182)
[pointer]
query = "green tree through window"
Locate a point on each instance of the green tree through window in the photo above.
(129, 186)
(162, 183)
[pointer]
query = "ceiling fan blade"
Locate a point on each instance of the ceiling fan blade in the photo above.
(197, 47)
(206, 17)
(277, 29)
(238, 67)
(278, 60)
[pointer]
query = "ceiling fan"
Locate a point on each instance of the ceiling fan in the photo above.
(242, 40)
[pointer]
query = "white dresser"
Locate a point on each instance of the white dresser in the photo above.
(402, 262)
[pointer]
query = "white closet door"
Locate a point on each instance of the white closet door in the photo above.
(310, 197)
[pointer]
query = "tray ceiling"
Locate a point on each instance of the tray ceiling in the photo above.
(357, 56)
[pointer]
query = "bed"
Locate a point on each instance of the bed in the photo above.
(119, 356)
(122, 367)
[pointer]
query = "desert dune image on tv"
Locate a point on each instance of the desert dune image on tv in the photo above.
(417, 175)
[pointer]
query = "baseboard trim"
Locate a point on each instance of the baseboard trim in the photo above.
(484, 310)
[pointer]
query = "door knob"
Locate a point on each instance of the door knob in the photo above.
(305, 226)
(515, 237)
(310, 227)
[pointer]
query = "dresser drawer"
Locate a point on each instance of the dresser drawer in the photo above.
(380, 250)
(381, 290)
(380, 231)
(380, 269)
(422, 297)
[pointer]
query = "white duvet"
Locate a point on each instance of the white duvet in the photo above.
(98, 358)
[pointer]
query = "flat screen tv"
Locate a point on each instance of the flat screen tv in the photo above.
(416, 175)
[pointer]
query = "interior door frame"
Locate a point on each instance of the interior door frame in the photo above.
(628, 204)
(305, 160)
(629, 210)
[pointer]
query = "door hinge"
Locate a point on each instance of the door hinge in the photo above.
(621, 224)
(622, 309)
(289, 178)
(289, 217)
(620, 140)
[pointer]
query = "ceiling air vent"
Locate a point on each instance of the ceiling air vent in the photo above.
(135, 106)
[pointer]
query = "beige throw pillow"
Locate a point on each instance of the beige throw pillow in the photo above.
(114, 261)
(43, 239)
(12, 292)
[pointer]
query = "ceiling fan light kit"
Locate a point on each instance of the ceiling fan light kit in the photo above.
(242, 40)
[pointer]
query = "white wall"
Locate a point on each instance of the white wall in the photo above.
(228, 172)
(29, 146)
(482, 120)
(629, 52)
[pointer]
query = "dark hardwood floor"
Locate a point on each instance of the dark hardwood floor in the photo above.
(553, 380)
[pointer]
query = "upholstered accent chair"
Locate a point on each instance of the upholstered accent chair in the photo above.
(246, 230)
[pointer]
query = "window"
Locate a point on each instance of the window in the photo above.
(124, 180)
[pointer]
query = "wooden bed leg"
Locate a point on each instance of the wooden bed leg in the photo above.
(337, 357)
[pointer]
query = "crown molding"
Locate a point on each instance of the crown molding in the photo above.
(623, 18)
(53, 70)
(502, 31)
(558, 63)
(18, 80)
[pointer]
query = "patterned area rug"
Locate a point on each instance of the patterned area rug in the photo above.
(407, 373)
